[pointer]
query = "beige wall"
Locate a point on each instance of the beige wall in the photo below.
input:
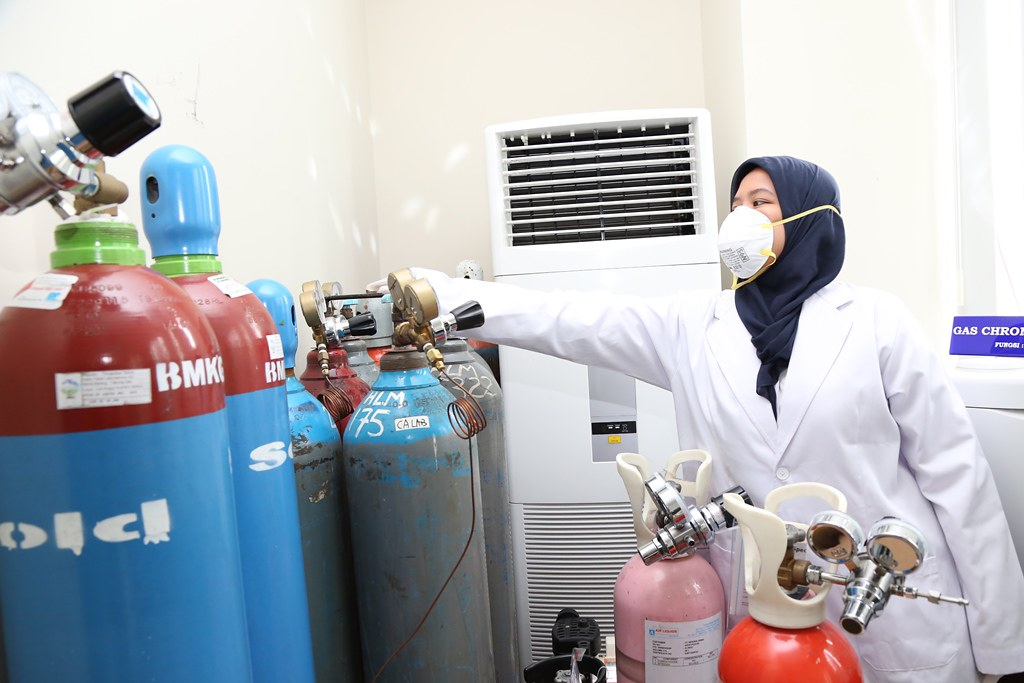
(863, 89)
(443, 71)
(276, 99)
(348, 134)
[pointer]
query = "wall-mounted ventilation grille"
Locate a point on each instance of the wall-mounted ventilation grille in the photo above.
(574, 553)
(594, 184)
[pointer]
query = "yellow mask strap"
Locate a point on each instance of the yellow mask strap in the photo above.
(736, 284)
(801, 215)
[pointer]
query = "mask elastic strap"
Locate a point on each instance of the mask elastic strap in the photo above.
(736, 284)
(806, 213)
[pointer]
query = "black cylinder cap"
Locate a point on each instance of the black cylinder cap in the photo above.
(468, 315)
(115, 113)
(362, 325)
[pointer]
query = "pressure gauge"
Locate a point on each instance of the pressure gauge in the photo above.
(421, 301)
(896, 545)
(397, 282)
(834, 536)
(332, 289)
(314, 307)
(669, 501)
(23, 97)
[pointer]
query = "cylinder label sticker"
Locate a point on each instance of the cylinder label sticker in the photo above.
(412, 422)
(275, 346)
(229, 286)
(46, 292)
(102, 388)
(670, 647)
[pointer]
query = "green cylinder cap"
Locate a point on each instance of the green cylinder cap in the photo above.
(83, 241)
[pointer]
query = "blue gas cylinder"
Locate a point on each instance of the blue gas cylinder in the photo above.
(413, 506)
(323, 513)
(182, 222)
(119, 552)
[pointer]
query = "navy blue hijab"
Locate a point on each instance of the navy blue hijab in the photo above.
(811, 258)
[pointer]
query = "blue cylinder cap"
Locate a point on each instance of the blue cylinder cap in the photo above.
(180, 204)
(281, 305)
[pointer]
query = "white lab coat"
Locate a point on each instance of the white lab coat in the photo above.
(865, 407)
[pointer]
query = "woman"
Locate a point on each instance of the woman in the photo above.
(791, 376)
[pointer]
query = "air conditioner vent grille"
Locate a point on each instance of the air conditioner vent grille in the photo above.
(601, 183)
(574, 554)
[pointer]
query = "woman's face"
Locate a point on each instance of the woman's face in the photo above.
(757, 191)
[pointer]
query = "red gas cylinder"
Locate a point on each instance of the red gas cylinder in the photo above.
(785, 638)
(757, 652)
(377, 351)
(341, 391)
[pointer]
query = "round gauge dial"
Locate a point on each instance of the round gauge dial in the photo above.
(422, 303)
(24, 97)
(834, 536)
(896, 545)
(396, 287)
(313, 308)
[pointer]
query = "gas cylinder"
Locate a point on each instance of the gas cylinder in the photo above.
(120, 550)
(359, 360)
(3, 658)
(182, 222)
(323, 512)
(471, 373)
(358, 352)
(784, 638)
(341, 377)
(669, 615)
(328, 375)
(416, 516)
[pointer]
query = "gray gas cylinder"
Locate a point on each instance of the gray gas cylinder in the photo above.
(411, 501)
(470, 371)
(359, 360)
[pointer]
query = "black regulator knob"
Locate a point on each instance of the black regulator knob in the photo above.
(115, 113)
(718, 500)
(362, 325)
(468, 316)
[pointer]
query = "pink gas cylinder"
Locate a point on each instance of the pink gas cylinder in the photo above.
(669, 616)
(785, 638)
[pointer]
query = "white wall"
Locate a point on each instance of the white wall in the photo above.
(276, 96)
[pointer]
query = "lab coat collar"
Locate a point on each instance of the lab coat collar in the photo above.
(823, 329)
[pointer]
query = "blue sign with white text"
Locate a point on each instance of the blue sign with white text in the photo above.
(987, 336)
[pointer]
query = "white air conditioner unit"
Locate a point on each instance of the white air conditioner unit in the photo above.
(619, 201)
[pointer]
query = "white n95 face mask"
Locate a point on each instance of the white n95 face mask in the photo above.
(745, 241)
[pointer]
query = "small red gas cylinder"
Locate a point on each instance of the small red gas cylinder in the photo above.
(785, 638)
(757, 652)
